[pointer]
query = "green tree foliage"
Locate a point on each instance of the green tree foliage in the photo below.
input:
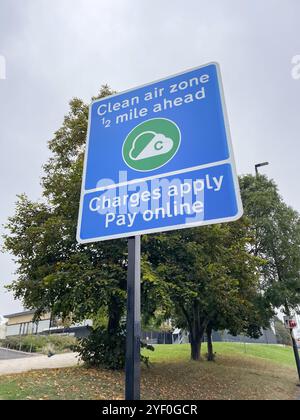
(277, 239)
(209, 279)
(54, 272)
(93, 349)
(276, 231)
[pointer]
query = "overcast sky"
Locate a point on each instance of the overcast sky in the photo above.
(58, 49)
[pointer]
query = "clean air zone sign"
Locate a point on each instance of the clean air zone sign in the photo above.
(159, 157)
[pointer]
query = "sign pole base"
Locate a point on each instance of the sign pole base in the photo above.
(133, 325)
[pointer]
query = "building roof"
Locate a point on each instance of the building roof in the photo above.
(20, 314)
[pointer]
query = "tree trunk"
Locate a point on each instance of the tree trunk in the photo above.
(195, 349)
(114, 315)
(210, 350)
(198, 326)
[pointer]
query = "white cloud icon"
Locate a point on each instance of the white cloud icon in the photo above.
(158, 145)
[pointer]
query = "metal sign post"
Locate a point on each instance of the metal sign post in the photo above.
(290, 323)
(133, 324)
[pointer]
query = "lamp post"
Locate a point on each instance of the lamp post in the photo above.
(258, 165)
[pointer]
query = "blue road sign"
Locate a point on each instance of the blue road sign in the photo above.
(159, 157)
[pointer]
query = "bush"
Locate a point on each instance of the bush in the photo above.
(103, 349)
(40, 343)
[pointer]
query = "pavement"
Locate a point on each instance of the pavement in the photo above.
(26, 362)
(7, 354)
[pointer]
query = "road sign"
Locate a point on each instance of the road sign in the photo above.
(290, 322)
(159, 157)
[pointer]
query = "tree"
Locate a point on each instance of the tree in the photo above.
(210, 279)
(277, 240)
(54, 272)
(276, 229)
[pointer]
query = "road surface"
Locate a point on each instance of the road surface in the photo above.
(35, 362)
(6, 354)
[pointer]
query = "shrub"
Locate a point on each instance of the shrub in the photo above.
(101, 348)
(40, 343)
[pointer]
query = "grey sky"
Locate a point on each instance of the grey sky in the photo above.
(57, 49)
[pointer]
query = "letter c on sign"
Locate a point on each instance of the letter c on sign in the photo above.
(97, 206)
(158, 145)
(99, 112)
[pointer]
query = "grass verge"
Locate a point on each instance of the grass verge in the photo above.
(257, 372)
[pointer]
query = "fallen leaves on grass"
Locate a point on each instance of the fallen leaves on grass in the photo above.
(228, 378)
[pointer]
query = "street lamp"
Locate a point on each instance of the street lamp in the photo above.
(258, 165)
